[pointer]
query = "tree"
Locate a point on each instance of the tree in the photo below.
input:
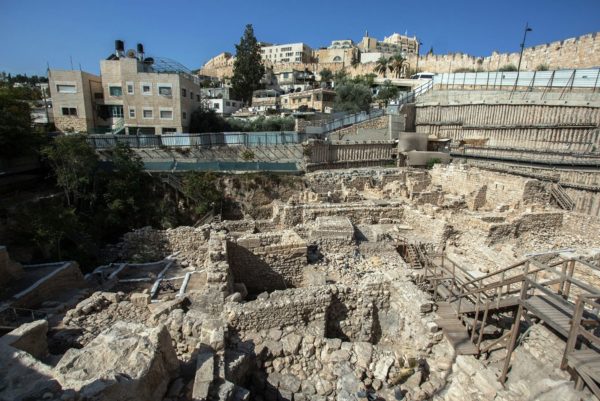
(125, 201)
(508, 68)
(355, 58)
(248, 69)
(387, 92)
(352, 97)
(202, 186)
(396, 64)
(382, 66)
(74, 163)
(340, 76)
(326, 75)
(205, 120)
(16, 136)
(430, 52)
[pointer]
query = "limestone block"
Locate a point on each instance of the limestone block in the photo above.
(126, 359)
(29, 337)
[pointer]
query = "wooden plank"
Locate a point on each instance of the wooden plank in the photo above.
(587, 361)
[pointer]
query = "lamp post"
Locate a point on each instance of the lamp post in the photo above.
(418, 50)
(527, 29)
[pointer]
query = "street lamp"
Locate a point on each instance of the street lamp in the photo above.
(527, 29)
(418, 51)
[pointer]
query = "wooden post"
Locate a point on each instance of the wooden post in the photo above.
(573, 332)
(570, 270)
(485, 315)
(561, 288)
(511, 345)
(476, 319)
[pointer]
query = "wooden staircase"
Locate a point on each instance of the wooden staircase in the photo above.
(561, 197)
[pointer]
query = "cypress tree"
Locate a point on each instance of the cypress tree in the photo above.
(248, 69)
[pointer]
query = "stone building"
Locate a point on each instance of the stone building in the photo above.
(288, 53)
(132, 95)
(75, 96)
(320, 100)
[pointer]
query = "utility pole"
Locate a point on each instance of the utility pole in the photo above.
(527, 29)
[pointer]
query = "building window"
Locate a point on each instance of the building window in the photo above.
(116, 111)
(69, 111)
(66, 88)
(191, 95)
(115, 91)
(146, 88)
(166, 114)
(132, 112)
(165, 90)
(98, 95)
(216, 106)
(197, 98)
(147, 113)
(130, 88)
(227, 104)
(183, 92)
(184, 116)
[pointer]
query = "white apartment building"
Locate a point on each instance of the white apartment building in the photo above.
(288, 53)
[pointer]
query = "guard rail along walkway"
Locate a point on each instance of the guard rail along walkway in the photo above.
(343, 122)
(555, 292)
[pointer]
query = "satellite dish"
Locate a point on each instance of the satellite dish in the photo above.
(131, 53)
(148, 60)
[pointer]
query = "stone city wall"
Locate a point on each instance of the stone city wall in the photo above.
(268, 261)
(579, 52)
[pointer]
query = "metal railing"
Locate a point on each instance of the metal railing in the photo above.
(207, 140)
(344, 121)
(566, 79)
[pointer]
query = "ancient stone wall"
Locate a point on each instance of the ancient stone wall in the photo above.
(303, 308)
(501, 188)
(149, 245)
(348, 132)
(290, 215)
(268, 261)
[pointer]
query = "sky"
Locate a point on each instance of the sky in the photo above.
(61, 33)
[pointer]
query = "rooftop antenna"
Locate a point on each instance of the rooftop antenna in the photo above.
(79, 66)
(71, 58)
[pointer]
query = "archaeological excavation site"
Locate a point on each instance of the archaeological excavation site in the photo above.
(396, 283)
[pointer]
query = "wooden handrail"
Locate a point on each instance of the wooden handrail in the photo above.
(567, 278)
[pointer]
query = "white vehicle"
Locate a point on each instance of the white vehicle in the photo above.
(423, 75)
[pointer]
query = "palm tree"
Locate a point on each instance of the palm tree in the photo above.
(382, 65)
(396, 65)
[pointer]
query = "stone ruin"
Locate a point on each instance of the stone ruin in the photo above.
(316, 303)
